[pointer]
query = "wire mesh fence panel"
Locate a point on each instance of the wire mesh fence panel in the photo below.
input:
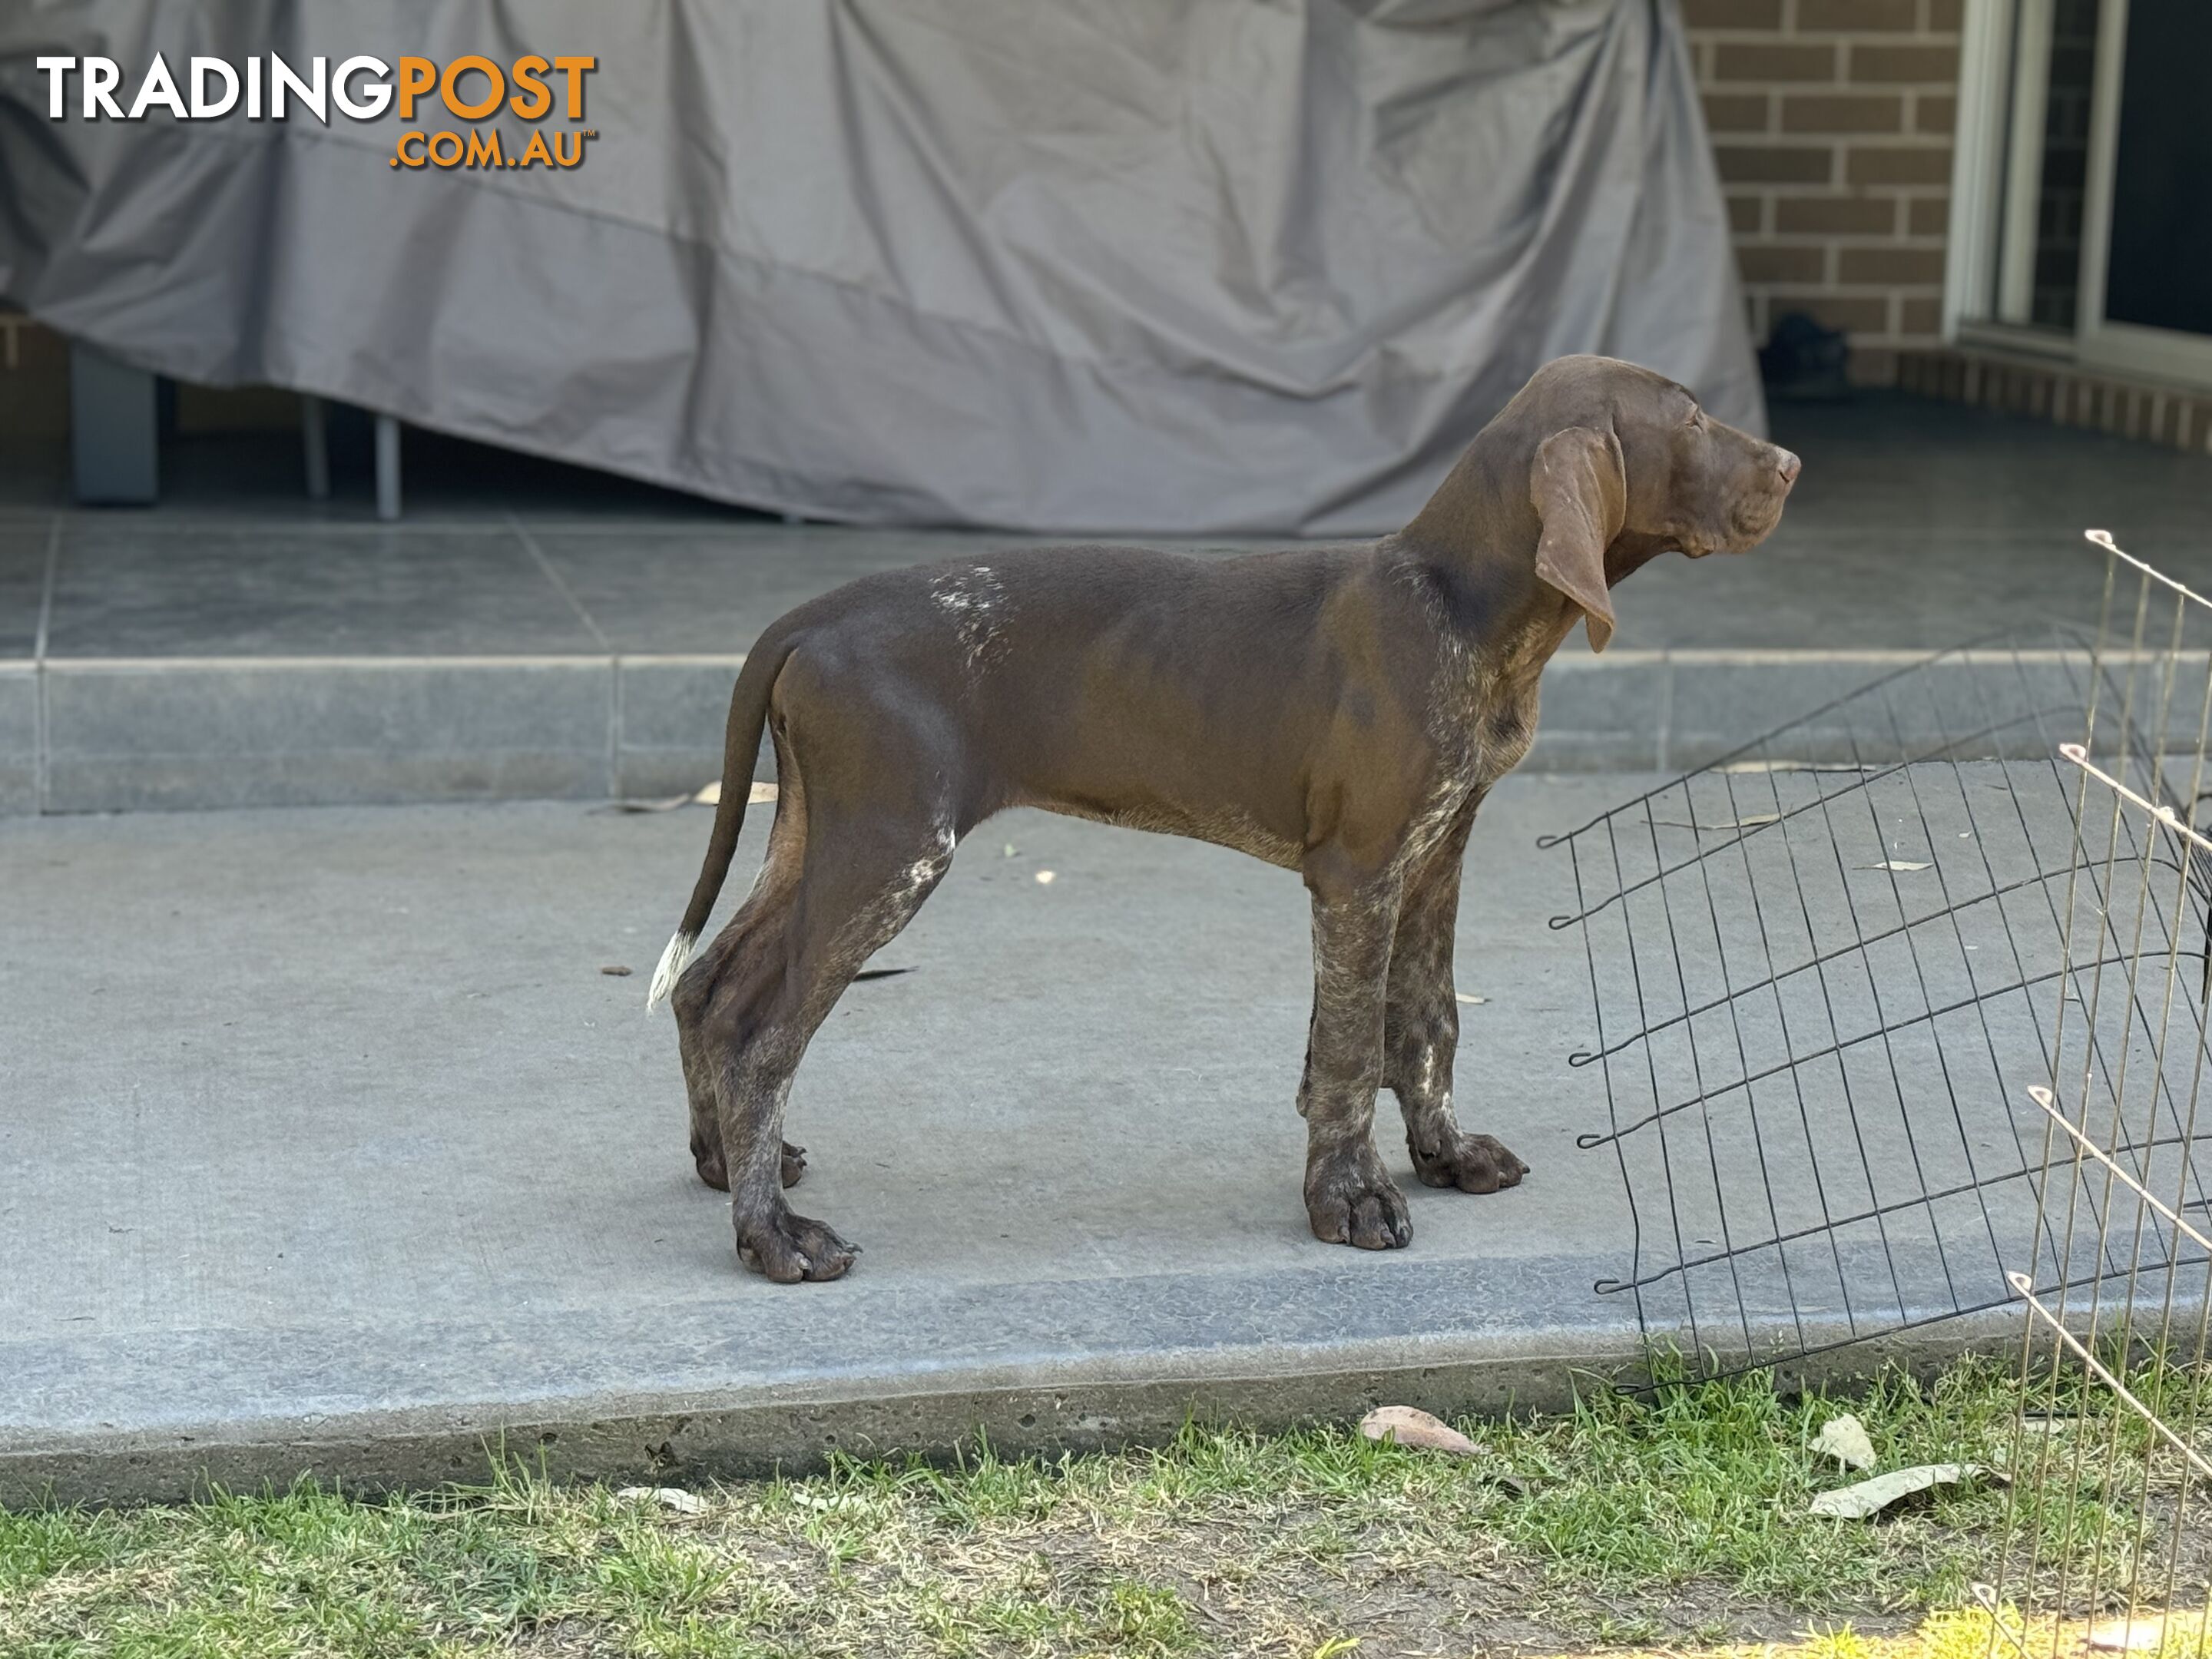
(1827, 968)
(2106, 1519)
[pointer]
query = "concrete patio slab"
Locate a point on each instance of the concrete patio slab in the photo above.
(332, 1149)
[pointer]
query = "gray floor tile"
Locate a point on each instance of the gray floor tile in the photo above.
(23, 581)
(1885, 463)
(143, 587)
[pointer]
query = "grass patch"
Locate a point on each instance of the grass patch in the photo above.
(1680, 1519)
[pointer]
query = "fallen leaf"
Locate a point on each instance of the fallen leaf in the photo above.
(1415, 1429)
(1870, 1497)
(615, 971)
(669, 1498)
(1845, 1439)
(1009, 850)
(1409, 1425)
(2127, 1636)
(709, 796)
(1896, 864)
(1462, 996)
(1044, 878)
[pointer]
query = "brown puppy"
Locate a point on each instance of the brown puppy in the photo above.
(1338, 711)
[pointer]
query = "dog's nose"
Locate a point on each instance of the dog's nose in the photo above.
(1788, 467)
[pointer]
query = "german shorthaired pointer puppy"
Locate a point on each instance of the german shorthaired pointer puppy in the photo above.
(1339, 711)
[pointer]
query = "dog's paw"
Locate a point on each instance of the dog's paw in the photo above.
(1473, 1163)
(788, 1247)
(795, 1164)
(1351, 1200)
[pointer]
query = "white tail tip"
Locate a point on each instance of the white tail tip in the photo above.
(673, 961)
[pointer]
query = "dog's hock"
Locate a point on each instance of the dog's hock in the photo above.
(673, 961)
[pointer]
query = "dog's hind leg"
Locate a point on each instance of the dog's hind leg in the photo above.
(866, 874)
(754, 931)
(1420, 1038)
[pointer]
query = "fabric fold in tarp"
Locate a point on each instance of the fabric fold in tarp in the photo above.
(1247, 266)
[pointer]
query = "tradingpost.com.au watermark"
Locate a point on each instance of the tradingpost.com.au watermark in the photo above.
(469, 88)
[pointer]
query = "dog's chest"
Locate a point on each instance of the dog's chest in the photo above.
(1489, 722)
(1485, 726)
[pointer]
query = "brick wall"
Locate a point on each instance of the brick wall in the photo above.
(1832, 125)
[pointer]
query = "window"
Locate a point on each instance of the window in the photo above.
(2083, 225)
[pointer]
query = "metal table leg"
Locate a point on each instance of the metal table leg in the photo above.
(315, 441)
(114, 433)
(387, 467)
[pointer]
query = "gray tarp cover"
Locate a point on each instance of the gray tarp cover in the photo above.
(1200, 266)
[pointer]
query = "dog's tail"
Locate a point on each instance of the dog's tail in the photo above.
(740, 743)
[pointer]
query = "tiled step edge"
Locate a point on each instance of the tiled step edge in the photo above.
(149, 734)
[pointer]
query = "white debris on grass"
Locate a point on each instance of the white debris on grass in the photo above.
(669, 1498)
(1845, 1439)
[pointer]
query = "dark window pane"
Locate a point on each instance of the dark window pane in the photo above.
(2160, 275)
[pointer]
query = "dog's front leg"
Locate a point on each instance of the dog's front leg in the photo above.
(1349, 1198)
(1420, 1037)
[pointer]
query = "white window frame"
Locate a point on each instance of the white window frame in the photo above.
(1992, 204)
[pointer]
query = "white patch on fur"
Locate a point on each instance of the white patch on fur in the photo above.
(970, 598)
(673, 961)
(877, 923)
(925, 872)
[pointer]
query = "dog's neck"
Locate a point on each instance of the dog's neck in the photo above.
(1480, 533)
(1481, 529)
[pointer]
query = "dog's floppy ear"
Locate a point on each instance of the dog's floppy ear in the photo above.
(1580, 488)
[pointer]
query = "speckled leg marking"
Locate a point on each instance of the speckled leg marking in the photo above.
(1350, 1200)
(745, 931)
(1421, 1033)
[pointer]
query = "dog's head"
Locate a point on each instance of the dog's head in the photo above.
(1620, 464)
